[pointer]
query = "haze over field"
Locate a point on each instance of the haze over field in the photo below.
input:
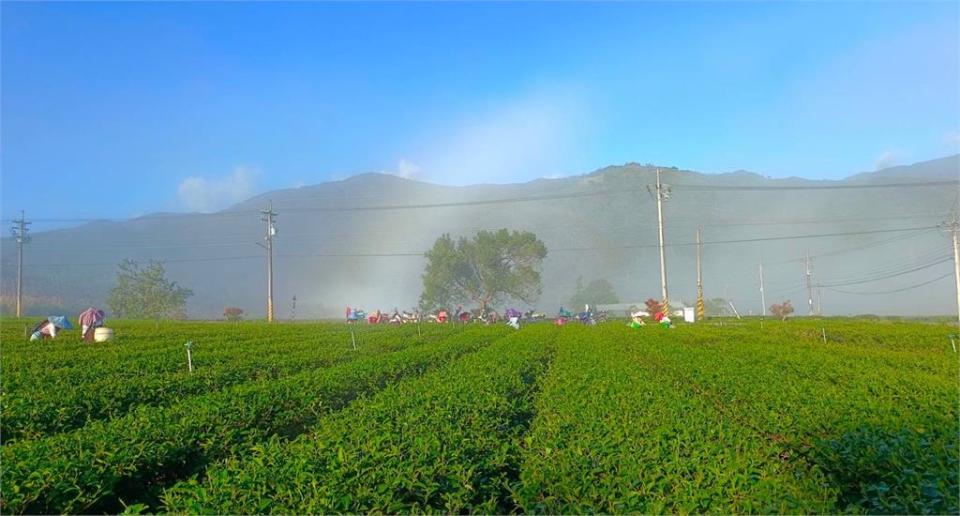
(359, 241)
(160, 130)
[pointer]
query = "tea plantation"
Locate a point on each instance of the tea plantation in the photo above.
(807, 416)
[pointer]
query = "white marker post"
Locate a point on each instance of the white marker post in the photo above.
(189, 346)
(353, 340)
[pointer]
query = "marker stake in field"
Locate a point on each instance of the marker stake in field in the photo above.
(353, 340)
(824, 332)
(189, 346)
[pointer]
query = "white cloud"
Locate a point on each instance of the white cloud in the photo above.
(515, 140)
(952, 139)
(206, 194)
(407, 169)
(887, 159)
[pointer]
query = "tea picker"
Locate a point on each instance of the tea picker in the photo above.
(663, 319)
(90, 319)
(513, 318)
(48, 328)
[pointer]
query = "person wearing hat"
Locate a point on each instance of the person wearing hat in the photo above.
(48, 328)
(90, 320)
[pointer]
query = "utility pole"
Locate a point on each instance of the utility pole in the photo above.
(763, 295)
(819, 299)
(953, 225)
(268, 215)
(700, 307)
(808, 272)
(20, 231)
(662, 193)
(293, 309)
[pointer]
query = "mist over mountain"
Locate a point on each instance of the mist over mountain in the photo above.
(359, 242)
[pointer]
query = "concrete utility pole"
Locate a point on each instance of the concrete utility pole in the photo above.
(19, 231)
(268, 215)
(662, 193)
(807, 266)
(763, 296)
(819, 300)
(953, 225)
(700, 307)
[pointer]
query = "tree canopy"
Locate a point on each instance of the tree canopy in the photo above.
(598, 291)
(144, 292)
(488, 269)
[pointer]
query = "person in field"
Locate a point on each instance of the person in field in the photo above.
(90, 319)
(48, 328)
(637, 319)
(442, 315)
(663, 319)
(513, 318)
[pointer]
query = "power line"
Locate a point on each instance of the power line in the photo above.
(508, 200)
(746, 188)
(885, 272)
(750, 240)
(551, 250)
(868, 245)
(888, 276)
(903, 289)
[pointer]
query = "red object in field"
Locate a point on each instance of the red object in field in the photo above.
(464, 317)
(560, 321)
(442, 316)
(658, 316)
(372, 319)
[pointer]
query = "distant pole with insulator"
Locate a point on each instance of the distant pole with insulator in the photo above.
(953, 226)
(700, 307)
(19, 230)
(268, 215)
(763, 295)
(661, 192)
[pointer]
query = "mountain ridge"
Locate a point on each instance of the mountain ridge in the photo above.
(601, 224)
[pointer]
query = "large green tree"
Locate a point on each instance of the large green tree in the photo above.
(597, 292)
(488, 269)
(144, 292)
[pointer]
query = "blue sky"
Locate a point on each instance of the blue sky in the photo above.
(119, 109)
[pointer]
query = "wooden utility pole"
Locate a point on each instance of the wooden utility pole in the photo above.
(20, 229)
(700, 307)
(268, 215)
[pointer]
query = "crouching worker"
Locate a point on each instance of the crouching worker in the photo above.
(513, 318)
(90, 320)
(637, 319)
(48, 328)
